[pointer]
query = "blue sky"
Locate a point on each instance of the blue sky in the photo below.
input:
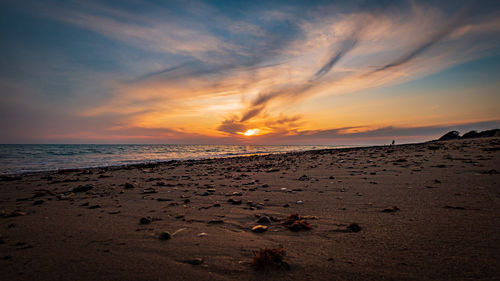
(246, 72)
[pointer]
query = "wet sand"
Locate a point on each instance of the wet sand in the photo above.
(427, 211)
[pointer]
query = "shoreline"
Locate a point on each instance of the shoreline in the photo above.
(425, 211)
(144, 162)
(162, 162)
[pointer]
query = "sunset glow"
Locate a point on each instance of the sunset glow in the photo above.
(277, 72)
(251, 132)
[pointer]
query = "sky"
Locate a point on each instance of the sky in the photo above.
(247, 72)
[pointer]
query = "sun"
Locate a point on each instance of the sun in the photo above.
(250, 132)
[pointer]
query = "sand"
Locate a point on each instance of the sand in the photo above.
(427, 211)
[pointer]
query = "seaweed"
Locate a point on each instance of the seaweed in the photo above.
(270, 258)
(294, 222)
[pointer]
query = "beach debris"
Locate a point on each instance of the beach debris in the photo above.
(164, 235)
(234, 201)
(83, 188)
(194, 261)
(128, 185)
(270, 258)
(259, 228)
(304, 178)
(145, 220)
(353, 227)
(42, 192)
(264, 219)
(273, 170)
(390, 209)
(38, 202)
(294, 222)
(149, 190)
(12, 214)
(178, 231)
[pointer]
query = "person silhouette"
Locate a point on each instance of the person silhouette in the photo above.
(393, 141)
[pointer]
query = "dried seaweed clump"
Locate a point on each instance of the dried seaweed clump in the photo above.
(270, 258)
(295, 222)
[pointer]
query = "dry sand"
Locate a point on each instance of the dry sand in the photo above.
(447, 226)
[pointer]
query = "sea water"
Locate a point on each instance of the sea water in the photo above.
(22, 158)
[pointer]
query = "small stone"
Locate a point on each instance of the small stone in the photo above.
(237, 193)
(165, 235)
(83, 188)
(264, 219)
(300, 202)
(286, 205)
(38, 202)
(205, 194)
(149, 190)
(234, 202)
(391, 209)
(195, 261)
(128, 185)
(354, 227)
(259, 228)
(145, 220)
(95, 207)
(202, 234)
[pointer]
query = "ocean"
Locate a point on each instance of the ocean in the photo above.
(23, 158)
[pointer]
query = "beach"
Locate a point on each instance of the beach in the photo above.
(428, 211)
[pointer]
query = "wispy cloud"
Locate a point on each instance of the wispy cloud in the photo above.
(215, 73)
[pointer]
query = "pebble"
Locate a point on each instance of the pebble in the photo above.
(391, 209)
(195, 261)
(128, 185)
(146, 220)
(149, 190)
(202, 234)
(38, 202)
(264, 219)
(83, 188)
(259, 228)
(165, 235)
(300, 202)
(234, 202)
(354, 227)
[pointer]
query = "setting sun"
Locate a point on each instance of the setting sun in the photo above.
(251, 132)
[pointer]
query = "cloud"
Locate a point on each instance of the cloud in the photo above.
(445, 30)
(217, 70)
